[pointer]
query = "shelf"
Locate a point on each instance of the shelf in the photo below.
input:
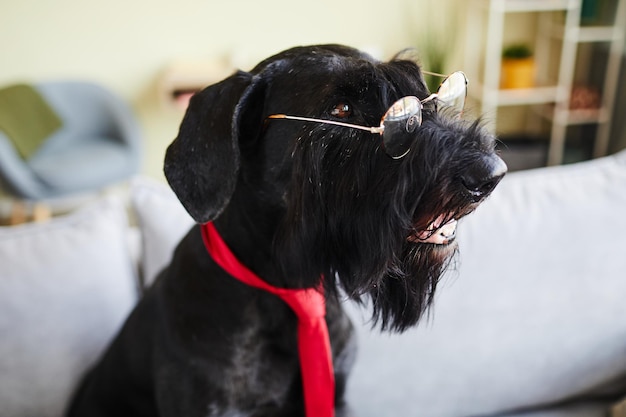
(598, 34)
(574, 117)
(589, 116)
(589, 33)
(512, 6)
(516, 97)
(521, 96)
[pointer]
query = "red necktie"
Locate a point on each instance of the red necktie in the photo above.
(318, 378)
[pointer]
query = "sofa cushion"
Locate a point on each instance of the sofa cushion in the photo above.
(163, 222)
(65, 287)
(534, 315)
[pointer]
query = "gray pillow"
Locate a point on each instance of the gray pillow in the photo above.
(65, 287)
(163, 222)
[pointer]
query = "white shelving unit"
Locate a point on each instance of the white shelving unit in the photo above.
(558, 20)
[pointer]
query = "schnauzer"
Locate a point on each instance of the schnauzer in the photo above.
(322, 170)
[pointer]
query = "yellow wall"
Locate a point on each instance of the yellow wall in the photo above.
(126, 44)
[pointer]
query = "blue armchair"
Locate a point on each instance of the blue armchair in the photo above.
(98, 144)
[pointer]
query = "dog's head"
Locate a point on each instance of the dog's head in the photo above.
(334, 200)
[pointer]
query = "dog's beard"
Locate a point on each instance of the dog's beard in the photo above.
(362, 237)
(405, 293)
(400, 279)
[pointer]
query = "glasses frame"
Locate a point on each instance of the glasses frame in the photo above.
(381, 128)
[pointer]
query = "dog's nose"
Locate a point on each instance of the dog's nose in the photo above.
(480, 179)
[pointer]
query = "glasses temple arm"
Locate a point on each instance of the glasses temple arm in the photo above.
(436, 74)
(378, 129)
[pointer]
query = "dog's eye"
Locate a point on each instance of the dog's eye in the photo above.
(342, 110)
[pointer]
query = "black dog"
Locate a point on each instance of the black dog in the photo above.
(302, 203)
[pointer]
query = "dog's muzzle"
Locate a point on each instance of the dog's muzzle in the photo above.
(481, 179)
(478, 183)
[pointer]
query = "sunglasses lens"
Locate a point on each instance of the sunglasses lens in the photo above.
(400, 121)
(453, 91)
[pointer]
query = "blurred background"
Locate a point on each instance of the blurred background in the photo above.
(153, 53)
(93, 92)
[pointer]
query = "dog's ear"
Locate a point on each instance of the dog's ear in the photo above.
(202, 164)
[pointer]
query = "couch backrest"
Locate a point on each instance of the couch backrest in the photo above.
(534, 314)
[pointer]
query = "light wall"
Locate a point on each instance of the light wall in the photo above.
(126, 44)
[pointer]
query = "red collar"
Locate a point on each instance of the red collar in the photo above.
(308, 304)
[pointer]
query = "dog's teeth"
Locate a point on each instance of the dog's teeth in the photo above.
(448, 229)
(441, 236)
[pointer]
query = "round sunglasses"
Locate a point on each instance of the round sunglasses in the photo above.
(405, 115)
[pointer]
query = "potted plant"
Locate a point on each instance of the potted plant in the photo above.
(518, 67)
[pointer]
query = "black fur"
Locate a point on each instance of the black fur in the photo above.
(297, 202)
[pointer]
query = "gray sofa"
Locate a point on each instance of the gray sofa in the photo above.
(531, 322)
